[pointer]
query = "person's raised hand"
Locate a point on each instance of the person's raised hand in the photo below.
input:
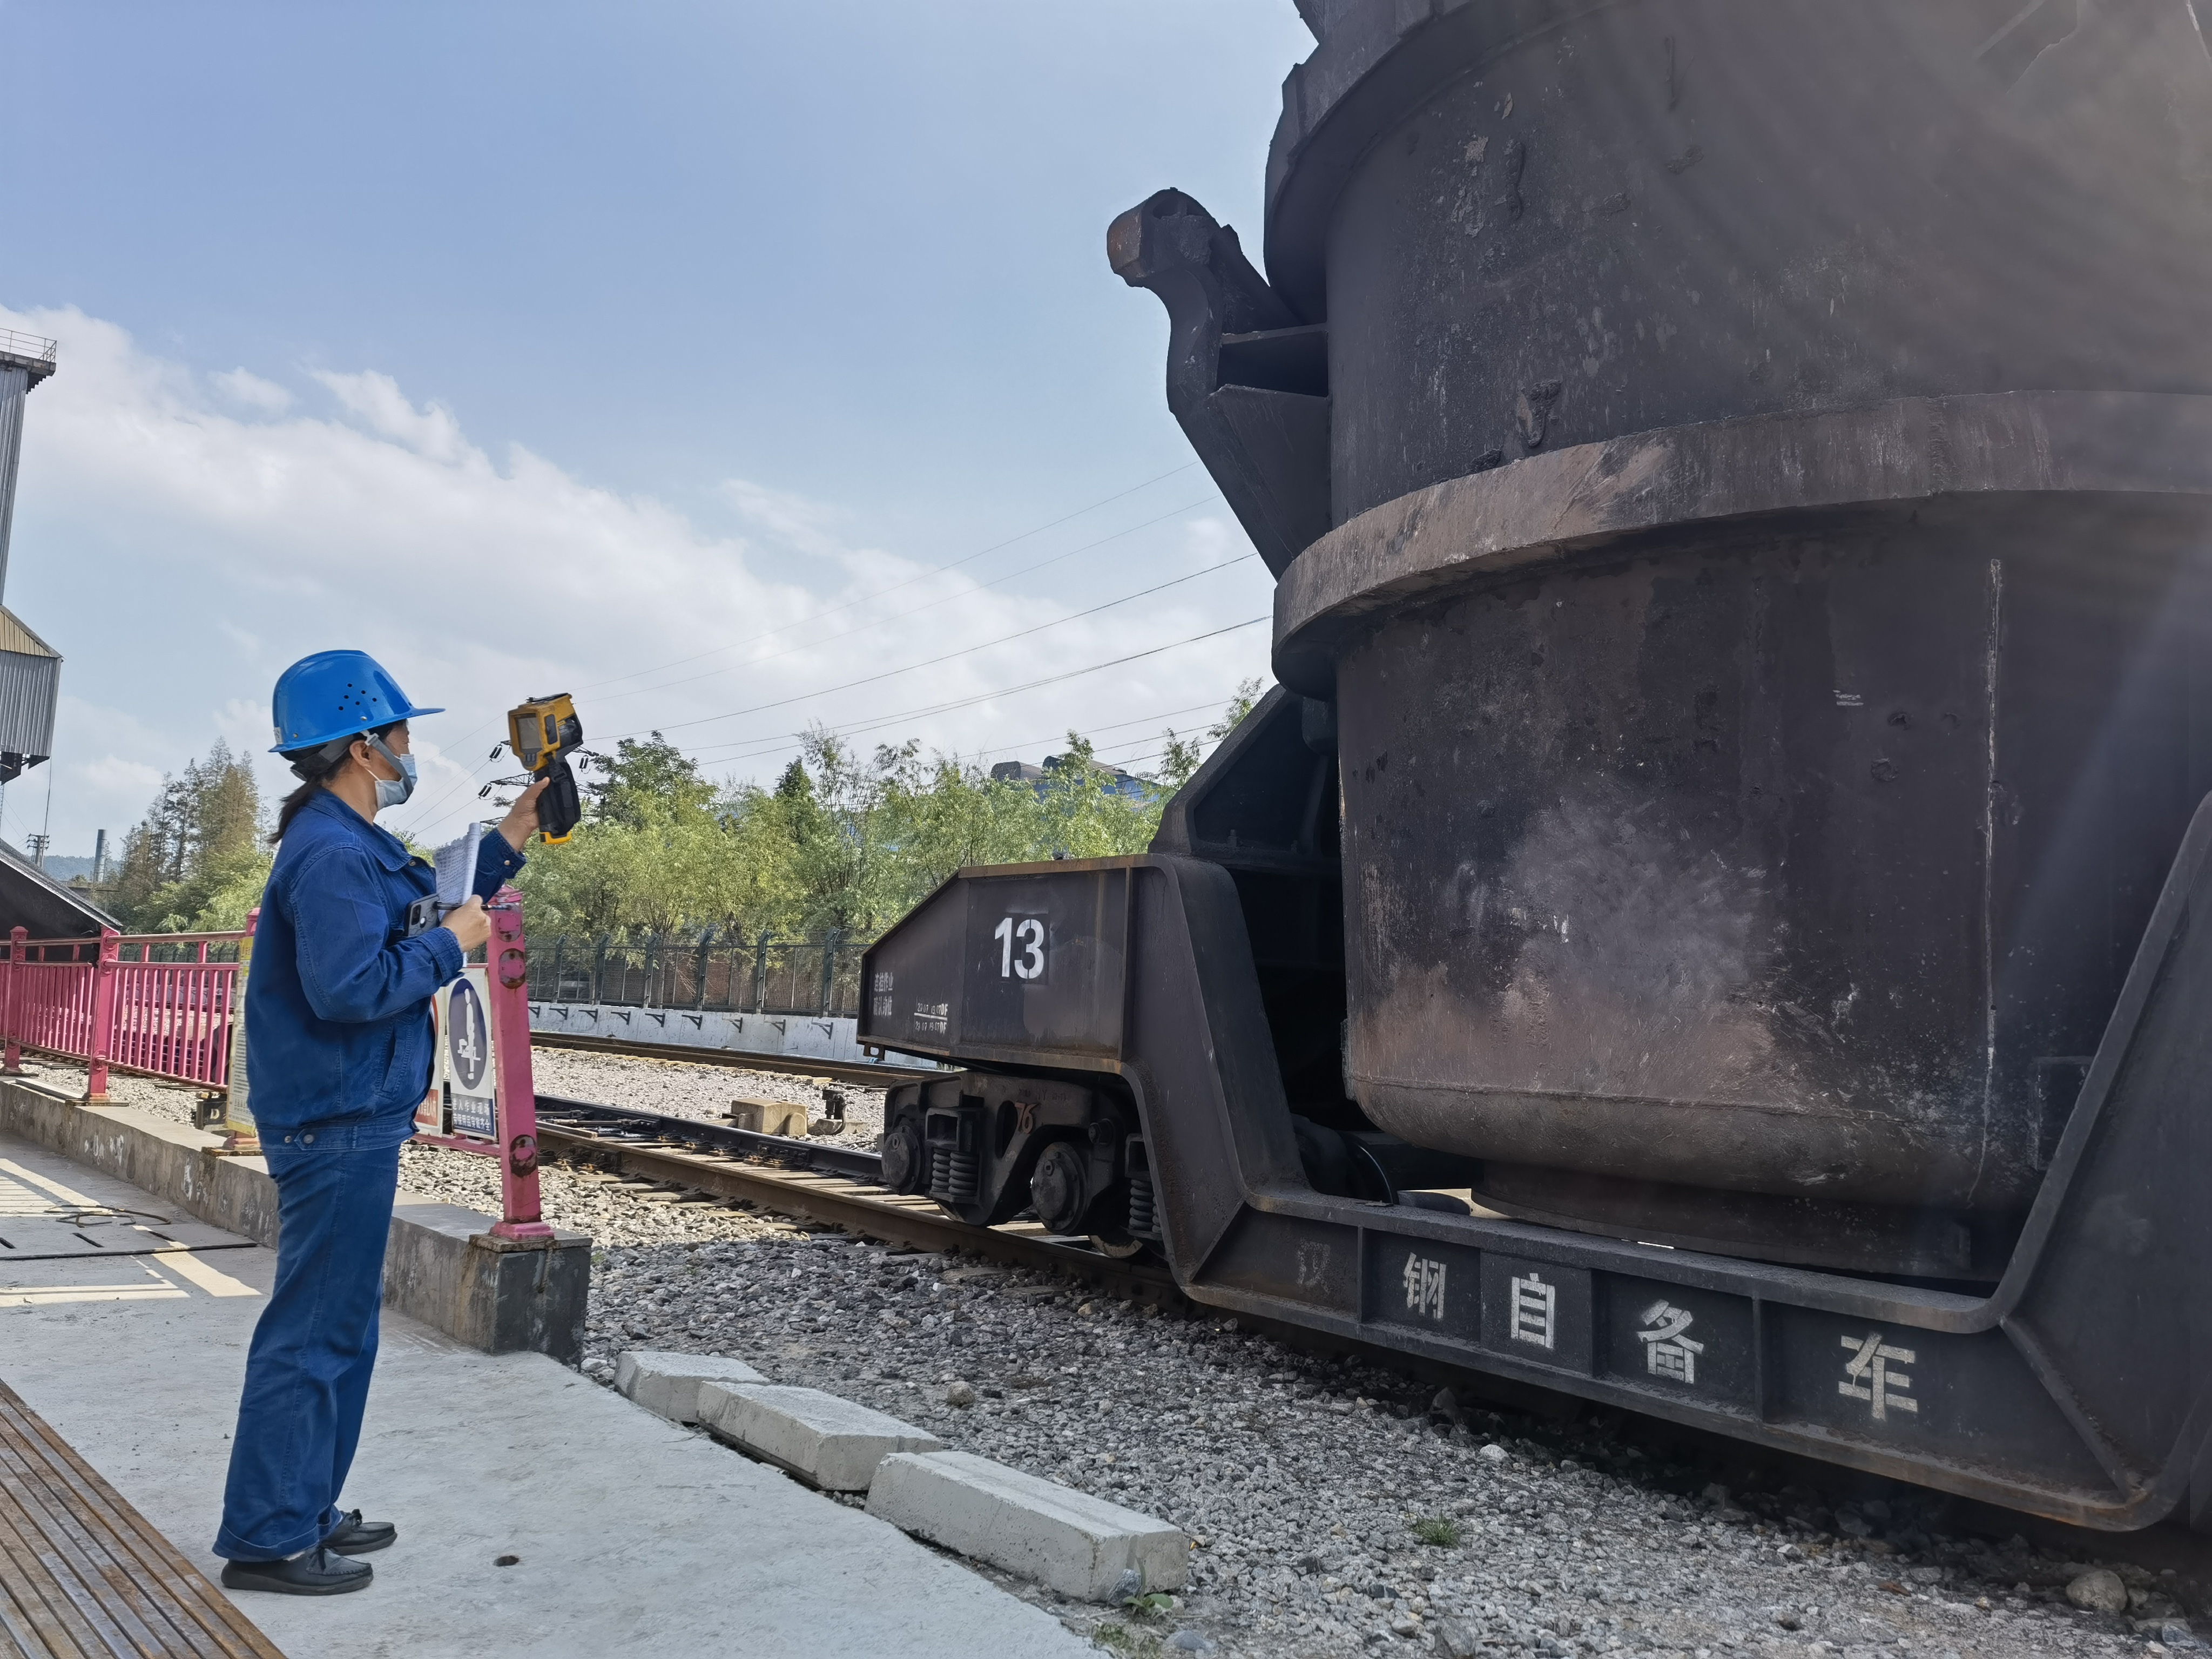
(521, 820)
(469, 924)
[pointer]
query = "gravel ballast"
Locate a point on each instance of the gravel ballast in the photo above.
(1339, 1506)
(1337, 1512)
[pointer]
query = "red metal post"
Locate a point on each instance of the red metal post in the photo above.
(240, 1134)
(103, 1016)
(516, 1088)
(11, 1064)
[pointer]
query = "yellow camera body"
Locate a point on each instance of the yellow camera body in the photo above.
(541, 733)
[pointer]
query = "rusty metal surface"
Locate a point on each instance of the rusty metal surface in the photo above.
(1532, 223)
(84, 1576)
(1247, 378)
(1750, 826)
(1808, 865)
(1764, 805)
(1903, 456)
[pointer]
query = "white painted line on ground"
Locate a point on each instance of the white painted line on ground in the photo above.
(18, 1200)
(64, 1194)
(159, 1289)
(183, 1263)
(40, 1296)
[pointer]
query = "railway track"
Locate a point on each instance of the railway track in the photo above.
(836, 1186)
(842, 1186)
(871, 1076)
(814, 1181)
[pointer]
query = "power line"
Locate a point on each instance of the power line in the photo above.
(769, 745)
(475, 771)
(903, 615)
(932, 662)
(776, 745)
(889, 673)
(1117, 726)
(899, 587)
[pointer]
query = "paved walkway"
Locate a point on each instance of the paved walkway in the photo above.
(633, 1536)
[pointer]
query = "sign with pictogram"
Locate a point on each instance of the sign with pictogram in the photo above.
(464, 1081)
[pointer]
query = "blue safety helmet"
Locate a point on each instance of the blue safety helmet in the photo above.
(333, 694)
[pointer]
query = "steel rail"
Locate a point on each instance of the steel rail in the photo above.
(836, 1186)
(837, 1070)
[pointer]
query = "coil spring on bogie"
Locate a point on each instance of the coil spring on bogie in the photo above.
(965, 1178)
(1141, 1224)
(940, 1171)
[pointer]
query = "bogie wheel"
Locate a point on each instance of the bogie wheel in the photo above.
(906, 1160)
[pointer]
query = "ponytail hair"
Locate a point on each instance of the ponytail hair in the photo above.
(315, 767)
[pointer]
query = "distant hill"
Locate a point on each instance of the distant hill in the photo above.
(58, 869)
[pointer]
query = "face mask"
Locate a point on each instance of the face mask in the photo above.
(392, 791)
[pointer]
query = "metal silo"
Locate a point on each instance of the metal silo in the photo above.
(30, 669)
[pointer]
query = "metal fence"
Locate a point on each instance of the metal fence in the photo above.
(159, 1004)
(765, 974)
(36, 346)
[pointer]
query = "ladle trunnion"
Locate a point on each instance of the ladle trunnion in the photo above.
(1704, 921)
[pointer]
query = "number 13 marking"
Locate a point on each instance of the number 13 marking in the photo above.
(1029, 932)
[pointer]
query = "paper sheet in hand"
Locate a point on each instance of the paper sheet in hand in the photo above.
(457, 868)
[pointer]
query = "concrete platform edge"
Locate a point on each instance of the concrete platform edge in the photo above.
(441, 1264)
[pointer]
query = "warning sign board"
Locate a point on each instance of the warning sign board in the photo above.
(464, 1083)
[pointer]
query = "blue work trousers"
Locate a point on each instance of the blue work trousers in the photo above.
(307, 1373)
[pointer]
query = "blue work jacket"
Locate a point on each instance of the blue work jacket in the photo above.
(338, 999)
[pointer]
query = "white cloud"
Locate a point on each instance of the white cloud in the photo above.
(1212, 538)
(793, 520)
(376, 401)
(185, 555)
(249, 391)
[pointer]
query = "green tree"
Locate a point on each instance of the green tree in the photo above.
(1180, 756)
(142, 873)
(223, 815)
(641, 777)
(846, 840)
(661, 850)
(197, 854)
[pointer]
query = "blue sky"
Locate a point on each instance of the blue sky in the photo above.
(538, 345)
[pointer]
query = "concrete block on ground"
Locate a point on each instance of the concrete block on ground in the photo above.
(668, 1384)
(831, 1443)
(1078, 1544)
(769, 1117)
(441, 1264)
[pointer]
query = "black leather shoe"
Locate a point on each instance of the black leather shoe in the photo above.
(318, 1573)
(354, 1536)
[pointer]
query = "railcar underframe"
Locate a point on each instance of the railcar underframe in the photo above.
(1163, 1021)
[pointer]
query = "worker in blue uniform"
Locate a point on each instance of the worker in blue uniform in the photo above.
(338, 1057)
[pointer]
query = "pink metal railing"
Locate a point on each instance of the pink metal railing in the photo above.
(81, 999)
